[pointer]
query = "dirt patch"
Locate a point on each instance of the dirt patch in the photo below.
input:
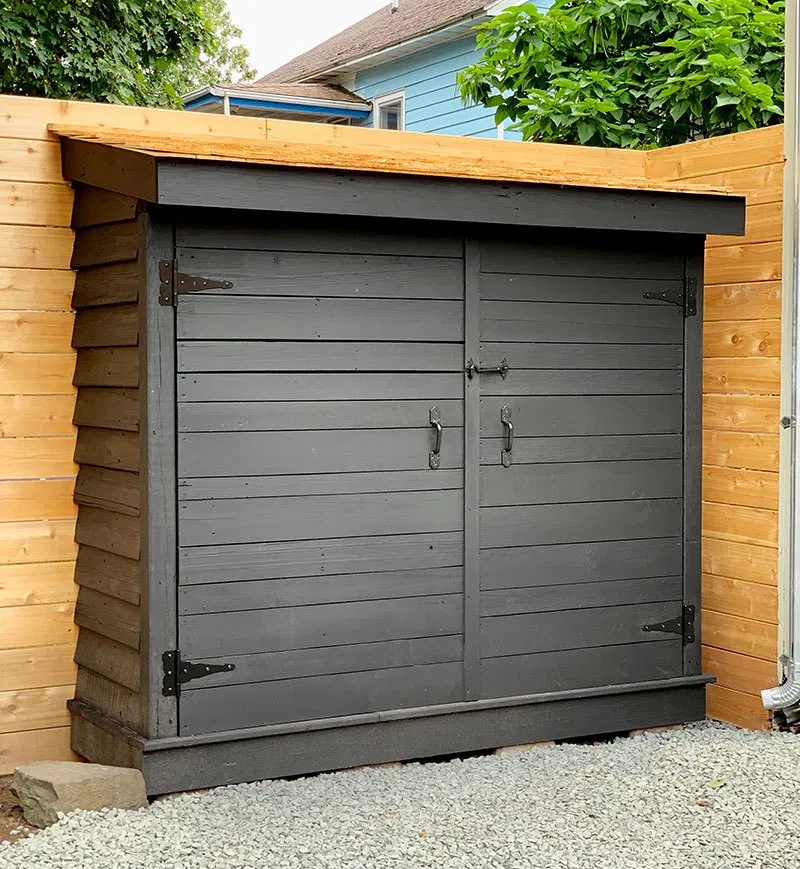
(12, 822)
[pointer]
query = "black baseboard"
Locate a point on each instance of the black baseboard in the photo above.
(171, 766)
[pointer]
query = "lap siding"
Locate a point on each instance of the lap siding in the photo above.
(107, 452)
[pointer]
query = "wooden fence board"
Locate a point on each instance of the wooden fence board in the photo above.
(36, 415)
(36, 247)
(28, 458)
(740, 561)
(764, 222)
(736, 707)
(35, 331)
(37, 667)
(747, 488)
(35, 289)
(748, 375)
(51, 743)
(743, 263)
(30, 204)
(34, 708)
(753, 413)
(30, 542)
(754, 301)
(48, 625)
(739, 672)
(733, 449)
(740, 524)
(738, 338)
(36, 499)
(36, 373)
(25, 160)
(34, 584)
(737, 597)
(736, 634)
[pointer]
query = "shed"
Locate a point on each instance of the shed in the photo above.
(381, 456)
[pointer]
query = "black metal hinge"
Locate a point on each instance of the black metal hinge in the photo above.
(177, 672)
(686, 298)
(682, 625)
(172, 283)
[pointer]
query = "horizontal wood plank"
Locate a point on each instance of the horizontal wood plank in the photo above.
(104, 245)
(27, 204)
(114, 490)
(35, 331)
(34, 708)
(754, 301)
(749, 376)
(764, 222)
(740, 524)
(113, 575)
(21, 500)
(739, 263)
(34, 584)
(760, 184)
(43, 625)
(106, 448)
(112, 532)
(591, 448)
(25, 160)
(758, 338)
(740, 561)
(736, 634)
(26, 458)
(36, 247)
(94, 207)
(746, 413)
(207, 564)
(36, 415)
(733, 449)
(736, 707)
(739, 486)
(36, 373)
(737, 151)
(737, 597)
(52, 743)
(37, 667)
(118, 702)
(108, 658)
(97, 408)
(739, 672)
(107, 366)
(32, 542)
(35, 289)
(108, 616)
(111, 326)
(106, 285)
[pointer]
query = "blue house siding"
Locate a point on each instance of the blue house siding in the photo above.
(428, 78)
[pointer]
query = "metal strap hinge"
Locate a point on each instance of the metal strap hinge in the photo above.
(682, 625)
(177, 672)
(172, 283)
(685, 298)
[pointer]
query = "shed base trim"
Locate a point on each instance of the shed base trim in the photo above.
(203, 764)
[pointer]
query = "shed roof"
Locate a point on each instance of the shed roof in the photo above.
(392, 153)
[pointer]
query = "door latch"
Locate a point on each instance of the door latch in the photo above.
(472, 368)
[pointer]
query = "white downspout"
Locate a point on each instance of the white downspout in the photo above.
(226, 104)
(788, 694)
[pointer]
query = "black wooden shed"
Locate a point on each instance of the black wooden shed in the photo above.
(378, 466)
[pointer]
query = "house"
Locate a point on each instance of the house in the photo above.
(395, 69)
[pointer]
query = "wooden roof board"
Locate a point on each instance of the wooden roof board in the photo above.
(493, 164)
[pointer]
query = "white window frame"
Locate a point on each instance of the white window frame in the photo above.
(387, 100)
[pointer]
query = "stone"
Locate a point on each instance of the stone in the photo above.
(47, 787)
(666, 728)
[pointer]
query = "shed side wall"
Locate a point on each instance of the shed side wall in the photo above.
(741, 385)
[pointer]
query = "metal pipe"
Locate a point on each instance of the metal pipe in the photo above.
(788, 693)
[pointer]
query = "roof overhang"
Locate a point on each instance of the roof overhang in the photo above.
(310, 178)
(215, 95)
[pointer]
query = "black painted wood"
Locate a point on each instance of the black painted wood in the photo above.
(315, 626)
(528, 633)
(235, 563)
(320, 696)
(310, 191)
(336, 588)
(208, 416)
(307, 273)
(548, 564)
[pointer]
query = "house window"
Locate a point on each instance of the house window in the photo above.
(389, 111)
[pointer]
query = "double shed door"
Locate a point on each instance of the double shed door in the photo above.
(322, 545)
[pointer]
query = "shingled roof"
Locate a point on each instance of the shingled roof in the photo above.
(383, 29)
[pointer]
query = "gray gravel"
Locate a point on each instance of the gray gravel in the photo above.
(704, 797)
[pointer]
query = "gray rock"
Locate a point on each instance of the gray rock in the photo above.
(48, 787)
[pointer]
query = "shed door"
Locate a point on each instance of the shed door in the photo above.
(318, 550)
(581, 521)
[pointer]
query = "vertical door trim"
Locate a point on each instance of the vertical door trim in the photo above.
(692, 454)
(158, 477)
(472, 471)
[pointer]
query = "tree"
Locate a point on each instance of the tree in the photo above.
(141, 52)
(632, 73)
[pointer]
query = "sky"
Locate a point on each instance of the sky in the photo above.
(275, 31)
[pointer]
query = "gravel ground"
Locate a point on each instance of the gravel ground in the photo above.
(705, 797)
